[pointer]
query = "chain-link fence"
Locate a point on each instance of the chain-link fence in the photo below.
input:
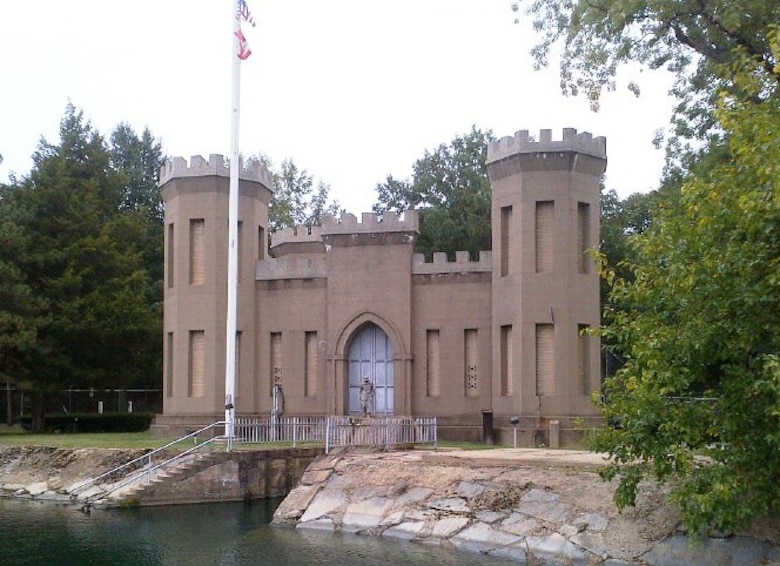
(17, 402)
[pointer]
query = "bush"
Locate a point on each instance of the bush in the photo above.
(95, 422)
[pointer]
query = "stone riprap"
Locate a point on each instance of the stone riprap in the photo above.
(534, 507)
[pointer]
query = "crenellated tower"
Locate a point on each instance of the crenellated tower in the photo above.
(196, 242)
(545, 216)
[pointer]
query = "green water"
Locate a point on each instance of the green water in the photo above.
(224, 534)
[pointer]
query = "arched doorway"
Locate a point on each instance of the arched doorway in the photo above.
(371, 355)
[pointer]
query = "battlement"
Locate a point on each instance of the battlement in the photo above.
(298, 234)
(370, 223)
(291, 267)
(252, 170)
(522, 143)
(462, 263)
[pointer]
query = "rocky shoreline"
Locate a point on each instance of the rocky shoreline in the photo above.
(534, 507)
(46, 473)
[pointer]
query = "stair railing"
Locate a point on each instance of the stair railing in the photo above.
(146, 460)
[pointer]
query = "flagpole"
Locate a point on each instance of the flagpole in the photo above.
(232, 279)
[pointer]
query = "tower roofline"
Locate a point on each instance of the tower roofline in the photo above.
(522, 143)
(249, 170)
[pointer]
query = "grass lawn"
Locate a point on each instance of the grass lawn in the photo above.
(15, 436)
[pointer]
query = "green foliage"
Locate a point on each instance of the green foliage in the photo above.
(81, 312)
(451, 190)
(297, 200)
(701, 43)
(139, 160)
(698, 401)
(95, 422)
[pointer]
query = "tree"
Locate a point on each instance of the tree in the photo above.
(78, 255)
(698, 400)
(139, 159)
(297, 200)
(700, 42)
(451, 190)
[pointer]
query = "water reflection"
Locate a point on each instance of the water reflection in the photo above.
(222, 534)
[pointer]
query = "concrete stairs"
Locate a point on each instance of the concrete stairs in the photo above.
(144, 482)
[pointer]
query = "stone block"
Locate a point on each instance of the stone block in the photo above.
(296, 502)
(490, 517)
(323, 524)
(37, 488)
(392, 519)
(514, 552)
(365, 515)
(405, 531)
(592, 542)
(520, 525)
(483, 536)
(412, 496)
(557, 549)
(315, 477)
(469, 490)
(325, 502)
(445, 528)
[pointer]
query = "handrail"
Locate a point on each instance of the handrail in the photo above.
(131, 478)
(148, 456)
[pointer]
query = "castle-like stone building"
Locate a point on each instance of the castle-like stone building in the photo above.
(472, 342)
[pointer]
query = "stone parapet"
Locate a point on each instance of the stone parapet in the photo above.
(251, 170)
(292, 267)
(371, 223)
(522, 143)
(462, 263)
(298, 234)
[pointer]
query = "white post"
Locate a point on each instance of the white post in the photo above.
(232, 278)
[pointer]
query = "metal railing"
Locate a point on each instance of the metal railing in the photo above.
(285, 430)
(336, 431)
(150, 462)
(333, 432)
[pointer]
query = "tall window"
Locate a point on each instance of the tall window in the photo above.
(471, 359)
(544, 236)
(506, 243)
(170, 256)
(545, 359)
(583, 358)
(262, 243)
(276, 359)
(197, 251)
(311, 363)
(506, 360)
(197, 364)
(169, 364)
(433, 363)
(583, 237)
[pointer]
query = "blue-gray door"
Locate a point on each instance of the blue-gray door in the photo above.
(371, 355)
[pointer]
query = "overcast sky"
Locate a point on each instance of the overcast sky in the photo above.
(352, 90)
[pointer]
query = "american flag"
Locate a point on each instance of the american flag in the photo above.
(243, 13)
(243, 46)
